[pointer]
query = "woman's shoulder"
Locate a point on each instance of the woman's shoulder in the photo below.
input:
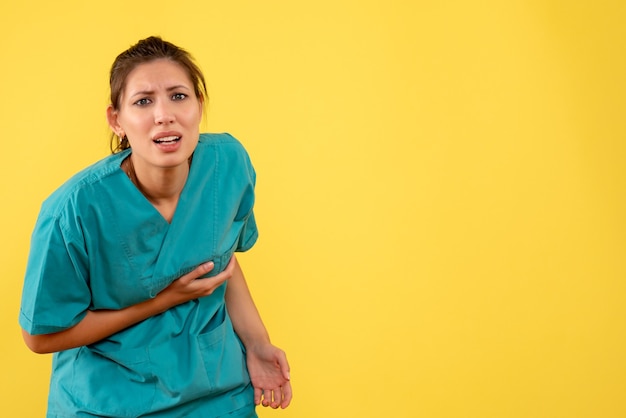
(222, 144)
(82, 185)
(223, 155)
(218, 140)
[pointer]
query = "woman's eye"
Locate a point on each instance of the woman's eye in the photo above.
(142, 102)
(179, 96)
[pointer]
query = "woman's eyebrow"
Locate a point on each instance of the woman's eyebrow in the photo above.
(177, 87)
(150, 92)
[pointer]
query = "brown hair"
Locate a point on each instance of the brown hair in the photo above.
(142, 52)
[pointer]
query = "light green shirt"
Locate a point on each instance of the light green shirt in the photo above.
(100, 244)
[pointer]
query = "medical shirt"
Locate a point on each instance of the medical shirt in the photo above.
(100, 244)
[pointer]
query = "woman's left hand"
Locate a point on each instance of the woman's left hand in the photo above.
(269, 372)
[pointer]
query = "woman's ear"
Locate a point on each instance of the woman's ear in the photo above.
(112, 117)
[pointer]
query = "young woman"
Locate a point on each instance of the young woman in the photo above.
(132, 280)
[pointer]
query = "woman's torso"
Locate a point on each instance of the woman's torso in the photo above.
(119, 251)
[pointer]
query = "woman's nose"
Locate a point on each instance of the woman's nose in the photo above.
(163, 113)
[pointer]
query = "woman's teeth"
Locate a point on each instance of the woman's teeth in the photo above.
(167, 139)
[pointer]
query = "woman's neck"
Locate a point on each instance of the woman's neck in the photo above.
(162, 187)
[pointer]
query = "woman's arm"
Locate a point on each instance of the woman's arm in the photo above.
(97, 325)
(267, 364)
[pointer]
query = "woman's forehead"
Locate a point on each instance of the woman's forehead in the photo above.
(158, 74)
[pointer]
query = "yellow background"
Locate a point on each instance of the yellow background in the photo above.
(441, 189)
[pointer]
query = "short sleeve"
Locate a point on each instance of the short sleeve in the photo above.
(56, 292)
(249, 233)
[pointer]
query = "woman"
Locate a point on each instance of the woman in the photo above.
(132, 280)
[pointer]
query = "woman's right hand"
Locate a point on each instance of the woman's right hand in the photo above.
(192, 286)
(100, 324)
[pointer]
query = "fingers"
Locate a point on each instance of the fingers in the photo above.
(287, 395)
(230, 267)
(205, 268)
(257, 395)
(284, 365)
(285, 390)
(198, 272)
(207, 286)
(226, 274)
(279, 397)
(267, 397)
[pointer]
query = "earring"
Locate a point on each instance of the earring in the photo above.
(120, 137)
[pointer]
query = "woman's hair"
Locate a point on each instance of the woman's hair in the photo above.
(147, 50)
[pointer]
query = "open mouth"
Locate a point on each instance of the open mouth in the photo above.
(167, 140)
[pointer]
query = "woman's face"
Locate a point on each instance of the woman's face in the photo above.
(159, 113)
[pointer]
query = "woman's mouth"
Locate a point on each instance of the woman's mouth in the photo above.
(167, 140)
